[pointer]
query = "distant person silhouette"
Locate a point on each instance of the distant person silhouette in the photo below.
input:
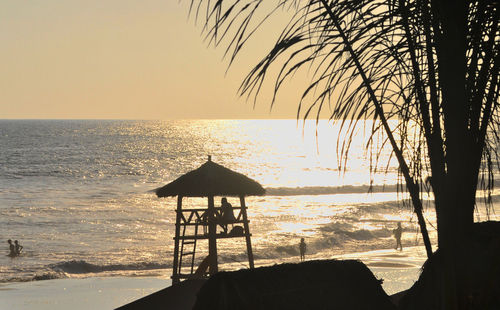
(398, 231)
(19, 247)
(302, 248)
(12, 248)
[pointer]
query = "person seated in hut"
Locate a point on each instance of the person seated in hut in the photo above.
(227, 214)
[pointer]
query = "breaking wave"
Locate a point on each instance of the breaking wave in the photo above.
(83, 267)
(329, 190)
(41, 275)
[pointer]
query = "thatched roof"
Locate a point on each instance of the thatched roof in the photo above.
(211, 179)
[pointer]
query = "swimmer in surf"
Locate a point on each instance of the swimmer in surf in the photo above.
(12, 249)
(19, 247)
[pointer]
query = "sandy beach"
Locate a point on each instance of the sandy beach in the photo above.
(76, 294)
(398, 269)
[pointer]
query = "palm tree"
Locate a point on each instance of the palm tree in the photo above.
(432, 64)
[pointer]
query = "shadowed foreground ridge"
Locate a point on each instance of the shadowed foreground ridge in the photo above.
(177, 297)
(325, 284)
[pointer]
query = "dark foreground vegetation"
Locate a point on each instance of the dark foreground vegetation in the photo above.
(478, 276)
(322, 284)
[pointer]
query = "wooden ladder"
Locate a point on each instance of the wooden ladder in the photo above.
(192, 242)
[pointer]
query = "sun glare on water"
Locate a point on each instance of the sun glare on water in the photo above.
(308, 153)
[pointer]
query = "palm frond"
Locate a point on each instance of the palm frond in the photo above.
(381, 60)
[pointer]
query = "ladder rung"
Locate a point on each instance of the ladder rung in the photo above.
(189, 242)
(187, 253)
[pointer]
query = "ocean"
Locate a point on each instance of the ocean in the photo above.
(78, 194)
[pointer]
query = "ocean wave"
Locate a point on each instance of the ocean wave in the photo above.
(334, 237)
(49, 276)
(290, 250)
(347, 189)
(10, 176)
(83, 267)
(329, 190)
(74, 268)
(36, 173)
(345, 230)
(41, 275)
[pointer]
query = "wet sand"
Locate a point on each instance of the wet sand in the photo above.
(77, 294)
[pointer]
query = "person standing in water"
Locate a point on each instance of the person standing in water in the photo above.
(19, 247)
(398, 231)
(12, 248)
(302, 248)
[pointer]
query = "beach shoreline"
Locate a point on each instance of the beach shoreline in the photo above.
(78, 293)
(398, 270)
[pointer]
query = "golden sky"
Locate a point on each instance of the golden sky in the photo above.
(119, 59)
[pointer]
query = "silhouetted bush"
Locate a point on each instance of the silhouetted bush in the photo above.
(322, 284)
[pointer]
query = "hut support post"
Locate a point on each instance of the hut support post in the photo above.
(175, 276)
(212, 241)
(247, 231)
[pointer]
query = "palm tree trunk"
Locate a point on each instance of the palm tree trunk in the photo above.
(455, 207)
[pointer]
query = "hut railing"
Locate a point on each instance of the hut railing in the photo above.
(200, 216)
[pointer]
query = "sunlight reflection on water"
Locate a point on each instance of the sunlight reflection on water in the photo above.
(81, 191)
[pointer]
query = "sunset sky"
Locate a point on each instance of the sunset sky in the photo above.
(120, 59)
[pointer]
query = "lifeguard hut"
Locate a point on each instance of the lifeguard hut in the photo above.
(197, 224)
